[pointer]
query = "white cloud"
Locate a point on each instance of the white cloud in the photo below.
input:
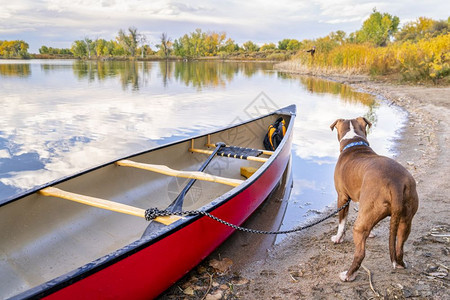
(342, 20)
(260, 20)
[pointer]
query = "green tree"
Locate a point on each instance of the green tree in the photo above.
(249, 46)
(109, 48)
(293, 45)
(269, 46)
(99, 47)
(282, 45)
(118, 49)
(23, 49)
(54, 51)
(378, 28)
(229, 46)
(178, 48)
(200, 43)
(65, 51)
(79, 49)
(43, 50)
(196, 43)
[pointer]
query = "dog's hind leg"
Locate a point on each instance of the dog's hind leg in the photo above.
(366, 220)
(339, 237)
(404, 228)
(393, 230)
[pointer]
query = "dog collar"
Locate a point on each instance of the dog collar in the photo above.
(360, 143)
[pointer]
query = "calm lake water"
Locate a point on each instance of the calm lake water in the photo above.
(59, 117)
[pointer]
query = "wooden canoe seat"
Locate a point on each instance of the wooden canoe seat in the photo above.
(104, 204)
(247, 172)
(184, 174)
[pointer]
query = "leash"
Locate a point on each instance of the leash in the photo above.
(152, 213)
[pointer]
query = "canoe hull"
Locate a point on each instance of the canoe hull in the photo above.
(143, 267)
(144, 275)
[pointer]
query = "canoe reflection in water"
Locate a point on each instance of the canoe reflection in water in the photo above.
(244, 248)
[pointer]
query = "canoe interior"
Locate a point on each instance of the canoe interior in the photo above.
(42, 238)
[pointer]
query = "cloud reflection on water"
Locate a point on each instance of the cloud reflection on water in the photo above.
(67, 116)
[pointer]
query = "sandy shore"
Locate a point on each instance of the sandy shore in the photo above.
(306, 265)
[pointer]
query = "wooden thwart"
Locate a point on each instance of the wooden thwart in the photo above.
(104, 204)
(209, 144)
(184, 174)
(252, 158)
(266, 152)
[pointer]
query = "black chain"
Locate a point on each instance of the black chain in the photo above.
(152, 213)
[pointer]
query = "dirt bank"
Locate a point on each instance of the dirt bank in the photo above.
(307, 264)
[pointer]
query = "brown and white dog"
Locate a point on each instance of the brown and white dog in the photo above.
(381, 186)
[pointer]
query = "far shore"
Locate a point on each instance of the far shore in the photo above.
(292, 67)
(150, 58)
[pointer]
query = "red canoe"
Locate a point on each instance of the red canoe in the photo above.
(86, 236)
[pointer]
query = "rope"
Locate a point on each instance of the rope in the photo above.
(152, 213)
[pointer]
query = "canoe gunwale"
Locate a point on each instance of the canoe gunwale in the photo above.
(101, 263)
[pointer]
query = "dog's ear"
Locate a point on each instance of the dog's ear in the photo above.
(334, 124)
(364, 122)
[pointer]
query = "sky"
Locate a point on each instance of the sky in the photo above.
(57, 23)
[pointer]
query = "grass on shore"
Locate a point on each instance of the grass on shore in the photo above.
(427, 60)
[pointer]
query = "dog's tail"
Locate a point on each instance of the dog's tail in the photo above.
(396, 213)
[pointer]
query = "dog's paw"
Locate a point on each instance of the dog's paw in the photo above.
(337, 239)
(343, 276)
(395, 265)
(372, 234)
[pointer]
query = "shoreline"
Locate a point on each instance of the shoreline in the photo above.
(149, 59)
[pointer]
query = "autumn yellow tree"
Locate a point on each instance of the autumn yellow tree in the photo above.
(14, 49)
(421, 28)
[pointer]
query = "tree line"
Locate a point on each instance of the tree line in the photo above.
(131, 43)
(379, 30)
